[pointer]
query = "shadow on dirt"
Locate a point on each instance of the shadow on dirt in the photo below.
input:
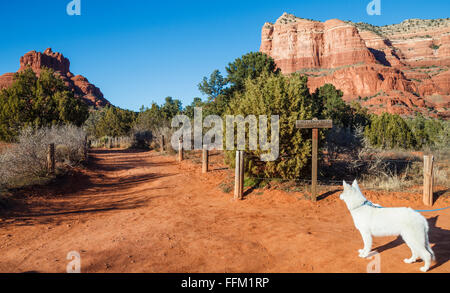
(122, 161)
(440, 193)
(439, 240)
(79, 193)
(327, 194)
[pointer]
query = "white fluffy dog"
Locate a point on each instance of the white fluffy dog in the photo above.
(373, 220)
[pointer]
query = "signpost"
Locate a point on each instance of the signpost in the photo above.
(314, 125)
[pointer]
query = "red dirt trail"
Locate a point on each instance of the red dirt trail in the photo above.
(143, 212)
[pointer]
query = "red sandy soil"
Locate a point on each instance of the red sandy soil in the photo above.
(142, 212)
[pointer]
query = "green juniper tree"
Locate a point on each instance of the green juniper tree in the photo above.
(38, 102)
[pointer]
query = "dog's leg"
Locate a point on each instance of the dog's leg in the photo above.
(426, 257)
(410, 243)
(367, 239)
(413, 257)
(415, 242)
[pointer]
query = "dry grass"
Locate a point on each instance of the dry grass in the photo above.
(25, 162)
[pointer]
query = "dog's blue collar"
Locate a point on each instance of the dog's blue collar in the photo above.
(368, 203)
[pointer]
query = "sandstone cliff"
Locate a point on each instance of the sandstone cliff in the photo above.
(81, 87)
(402, 68)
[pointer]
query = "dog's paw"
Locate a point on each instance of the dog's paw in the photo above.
(363, 254)
(424, 269)
(409, 260)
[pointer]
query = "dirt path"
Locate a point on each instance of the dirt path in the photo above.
(141, 212)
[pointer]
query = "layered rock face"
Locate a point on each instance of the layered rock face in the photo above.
(400, 68)
(297, 43)
(81, 87)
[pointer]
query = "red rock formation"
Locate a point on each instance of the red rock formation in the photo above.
(61, 65)
(6, 80)
(297, 43)
(405, 65)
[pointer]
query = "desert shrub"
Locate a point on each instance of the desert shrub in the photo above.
(249, 66)
(27, 159)
(391, 182)
(341, 140)
(377, 171)
(141, 139)
(426, 131)
(168, 133)
(441, 176)
(220, 91)
(69, 143)
(331, 106)
(434, 47)
(110, 121)
(155, 121)
(389, 131)
(158, 116)
(288, 97)
(34, 101)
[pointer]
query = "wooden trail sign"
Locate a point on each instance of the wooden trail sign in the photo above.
(314, 125)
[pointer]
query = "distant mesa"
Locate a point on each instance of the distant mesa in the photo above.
(401, 68)
(81, 87)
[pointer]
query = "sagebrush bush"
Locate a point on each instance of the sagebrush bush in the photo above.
(27, 159)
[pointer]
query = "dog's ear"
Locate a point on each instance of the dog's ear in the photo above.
(355, 184)
(346, 186)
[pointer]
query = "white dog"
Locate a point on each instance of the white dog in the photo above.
(374, 220)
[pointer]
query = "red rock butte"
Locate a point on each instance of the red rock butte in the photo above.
(401, 68)
(81, 87)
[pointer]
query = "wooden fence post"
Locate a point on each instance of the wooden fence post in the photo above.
(205, 159)
(85, 148)
(428, 180)
(239, 176)
(162, 144)
(51, 158)
(315, 139)
(180, 149)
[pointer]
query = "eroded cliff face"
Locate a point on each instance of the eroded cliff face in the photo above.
(401, 68)
(299, 43)
(81, 87)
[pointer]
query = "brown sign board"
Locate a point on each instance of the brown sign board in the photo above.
(314, 124)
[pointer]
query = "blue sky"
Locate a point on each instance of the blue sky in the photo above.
(139, 51)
